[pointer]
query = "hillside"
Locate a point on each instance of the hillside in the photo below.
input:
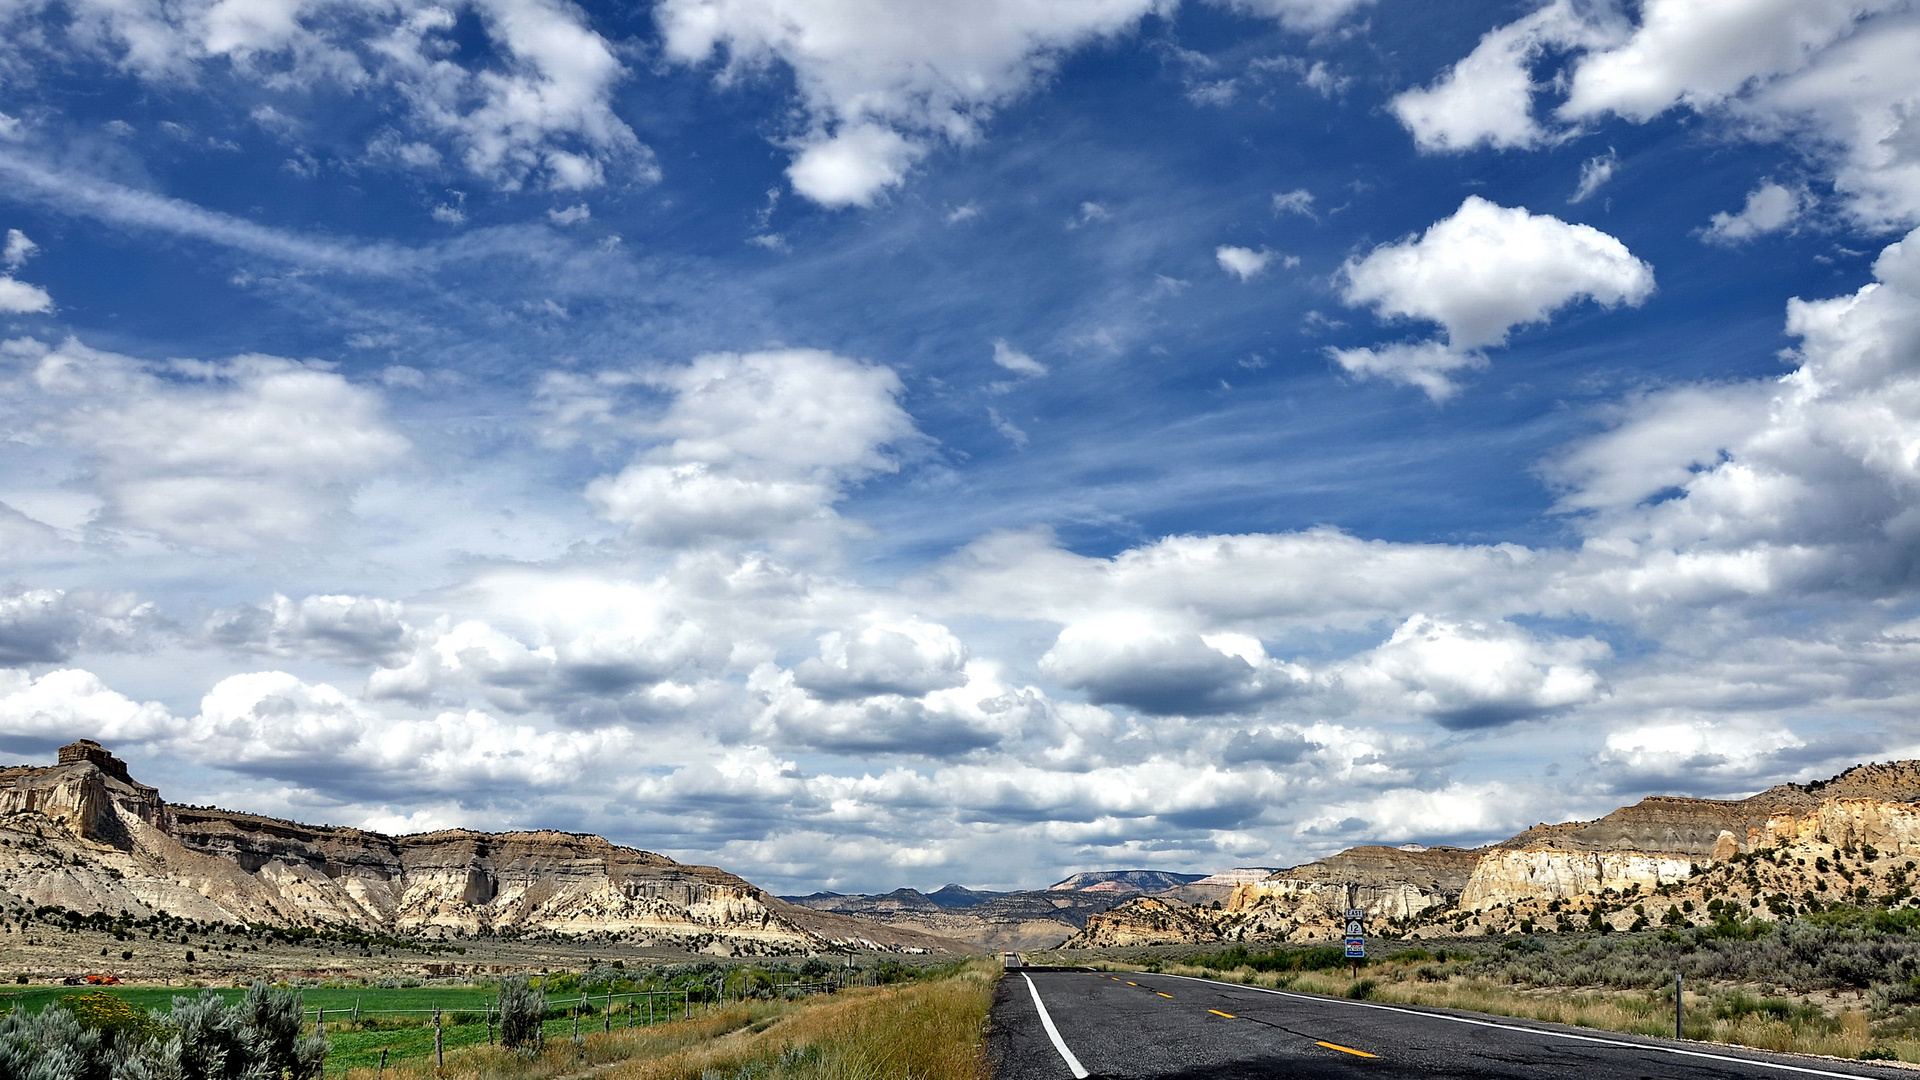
(1666, 860)
(84, 835)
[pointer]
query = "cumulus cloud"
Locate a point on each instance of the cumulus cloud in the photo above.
(1693, 750)
(20, 298)
(48, 625)
(540, 112)
(1490, 268)
(909, 658)
(360, 628)
(1479, 274)
(881, 86)
(224, 455)
(1429, 365)
(1769, 208)
(18, 250)
(1127, 660)
(69, 704)
(756, 446)
(1486, 99)
(1473, 675)
(1243, 263)
(1833, 75)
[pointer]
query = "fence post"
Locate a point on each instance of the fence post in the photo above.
(1679, 1008)
(606, 1022)
(439, 1051)
(382, 1070)
(320, 1022)
(576, 1016)
(356, 1011)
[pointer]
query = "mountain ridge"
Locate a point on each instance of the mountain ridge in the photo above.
(85, 835)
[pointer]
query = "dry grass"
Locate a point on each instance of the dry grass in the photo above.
(1723, 1015)
(924, 1031)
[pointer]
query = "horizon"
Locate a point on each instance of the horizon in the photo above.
(960, 442)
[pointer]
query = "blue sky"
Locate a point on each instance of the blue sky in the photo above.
(864, 443)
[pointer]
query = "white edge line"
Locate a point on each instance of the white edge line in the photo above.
(1073, 1063)
(1530, 1030)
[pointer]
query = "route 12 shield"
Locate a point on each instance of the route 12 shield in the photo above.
(1356, 948)
(1353, 929)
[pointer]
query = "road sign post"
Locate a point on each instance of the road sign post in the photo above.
(1356, 938)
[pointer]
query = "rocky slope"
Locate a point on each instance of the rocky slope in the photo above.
(1664, 860)
(84, 835)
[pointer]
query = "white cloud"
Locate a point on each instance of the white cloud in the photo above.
(20, 298)
(1243, 263)
(69, 704)
(18, 250)
(225, 455)
(1016, 361)
(1687, 751)
(1684, 51)
(1469, 674)
(1297, 14)
(572, 215)
(1429, 365)
(909, 658)
(854, 166)
(40, 626)
(1836, 76)
(542, 111)
(757, 446)
(882, 82)
(1487, 98)
(1769, 208)
(360, 628)
(1594, 174)
(1489, 268)
(1297, 201)
(1130, 660)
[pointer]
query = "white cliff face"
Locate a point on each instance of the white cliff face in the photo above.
(85, 836)
(1510, 876)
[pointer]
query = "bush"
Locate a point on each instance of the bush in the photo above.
(521, 1010)
(1362, 990)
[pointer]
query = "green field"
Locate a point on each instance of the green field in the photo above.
(402, 1034)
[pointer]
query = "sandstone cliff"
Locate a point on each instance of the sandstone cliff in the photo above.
(84, 835)
(1664, 860)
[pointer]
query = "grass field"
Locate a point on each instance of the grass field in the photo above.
(398, 1021)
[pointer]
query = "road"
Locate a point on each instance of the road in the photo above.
(1163, 1027)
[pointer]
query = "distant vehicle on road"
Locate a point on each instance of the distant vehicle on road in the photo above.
(1012, 960)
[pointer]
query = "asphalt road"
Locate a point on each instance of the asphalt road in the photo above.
(1164, 1027)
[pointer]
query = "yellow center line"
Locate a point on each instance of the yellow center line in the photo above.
(1167, 996)
(1217, 1012)
(1130, 982)
(1345, 1049)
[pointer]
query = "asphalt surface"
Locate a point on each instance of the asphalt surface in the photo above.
(1164, 1027)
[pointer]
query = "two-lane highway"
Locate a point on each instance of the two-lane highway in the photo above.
(1056, 1025)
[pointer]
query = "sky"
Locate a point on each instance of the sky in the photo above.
(865, 443)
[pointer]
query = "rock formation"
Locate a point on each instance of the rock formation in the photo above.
(1797, 846)
(84, 835)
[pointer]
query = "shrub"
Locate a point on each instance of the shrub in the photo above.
(521, 1010)
(1362, 990)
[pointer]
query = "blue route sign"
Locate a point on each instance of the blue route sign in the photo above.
(1356, 948)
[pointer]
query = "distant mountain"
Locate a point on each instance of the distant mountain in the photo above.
(959, 896)
(1123, 882)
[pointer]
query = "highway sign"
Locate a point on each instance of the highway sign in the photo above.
(1356, 913)
(1356, 948)
(1354, 930)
